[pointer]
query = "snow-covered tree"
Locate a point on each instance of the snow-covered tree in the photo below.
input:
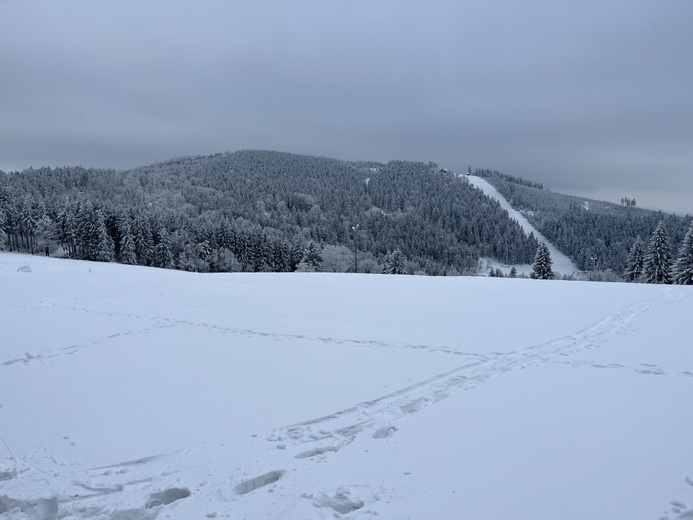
(542, 263)
(636, 261)
(103, 249)
(162, 251)
(144, 242)
(295, 256)
(257, 252)
(394, 263)
(683, 268)
(127, 254)
(312, 257)
(658, 258)
(278, 257)
(66, 232)
(223, 261)
(3, 236)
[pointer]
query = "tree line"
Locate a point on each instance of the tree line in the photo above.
(654, 263)
(596, 235)
(260, 211)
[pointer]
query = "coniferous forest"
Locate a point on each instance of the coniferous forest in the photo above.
(596, 235)
(272, 211)
(260, 211)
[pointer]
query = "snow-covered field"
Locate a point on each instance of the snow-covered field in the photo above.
(132, 393)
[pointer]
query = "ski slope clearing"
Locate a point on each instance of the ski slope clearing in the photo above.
(137, 393)
(562, 265)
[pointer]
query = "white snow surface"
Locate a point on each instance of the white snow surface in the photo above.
(133, 393)
(561, 263)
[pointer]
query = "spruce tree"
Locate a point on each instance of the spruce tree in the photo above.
(542, 263)
(278, 257)
(87, 230)
(683, 268)
(394, 264)
(103, 249)
(295, 256)
(257, 251)
(127, 254)
(658, 258)
(636, 261)
(144, 242)
(313, 257)
(3, 235)
(162, 251)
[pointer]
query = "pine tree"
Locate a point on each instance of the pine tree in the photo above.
(683, 268)
(542, 263)
(513, 272)
(658, 259)
(394, 264)
(636, 261)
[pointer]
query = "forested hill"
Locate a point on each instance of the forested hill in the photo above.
(596, 235)
(258, 211)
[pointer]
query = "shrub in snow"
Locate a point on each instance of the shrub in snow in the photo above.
(24, 269)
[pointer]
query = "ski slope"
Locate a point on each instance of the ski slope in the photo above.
(562, 265)
(133, 393)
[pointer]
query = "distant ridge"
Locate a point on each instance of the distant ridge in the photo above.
(255, 210)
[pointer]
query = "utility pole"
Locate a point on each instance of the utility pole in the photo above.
(594, 267)
(356, 231)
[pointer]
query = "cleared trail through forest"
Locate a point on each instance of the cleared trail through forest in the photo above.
(561, 263)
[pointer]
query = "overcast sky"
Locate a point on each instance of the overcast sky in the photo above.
(593, 98)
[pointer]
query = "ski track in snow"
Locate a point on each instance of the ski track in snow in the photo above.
(376, 416)
(314, 439)
(681, 508)
(165, 322)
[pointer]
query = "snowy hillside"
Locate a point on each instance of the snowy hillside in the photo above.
(136, 393)
(561, 263)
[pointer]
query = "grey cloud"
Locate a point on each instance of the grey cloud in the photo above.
(582, 97)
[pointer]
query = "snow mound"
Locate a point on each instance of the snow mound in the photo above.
(39, 509)
(167, 496)
(341, 501)
(255, 483)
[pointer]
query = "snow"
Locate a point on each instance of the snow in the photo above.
(562, 265)
(138, 393)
